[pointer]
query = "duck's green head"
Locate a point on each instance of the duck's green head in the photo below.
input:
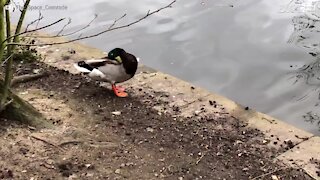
(115, 54)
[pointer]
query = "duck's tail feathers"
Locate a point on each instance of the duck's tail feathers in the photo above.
(82, 66)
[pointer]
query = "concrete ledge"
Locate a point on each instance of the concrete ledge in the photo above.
(295, 146)
(300, 156)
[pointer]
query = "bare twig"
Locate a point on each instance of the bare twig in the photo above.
(7, 59)
(33, 30)
(186, 105)
(198, 161)
(40, 17)
(67, 34)
(68, 23)
(302, 138)
(91, 144)
(70, 142)
(16, 6)
(40, 14)
(7, 103)
(266, 174)
(27, 77)
(116, 20)
(102, 144)
(47, 142)
(149, 13)
(80, 35)
(83, 28)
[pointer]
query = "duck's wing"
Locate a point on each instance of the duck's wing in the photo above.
(88, 66)
(96, 63)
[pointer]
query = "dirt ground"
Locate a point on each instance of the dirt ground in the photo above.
(100, 136)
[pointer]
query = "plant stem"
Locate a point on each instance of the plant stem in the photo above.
(8, 27)
(21, 19)
(2, 32)
(8, 70)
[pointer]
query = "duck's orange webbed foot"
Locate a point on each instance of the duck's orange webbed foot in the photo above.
(119, 91)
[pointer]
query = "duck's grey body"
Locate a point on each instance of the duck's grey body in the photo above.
(112, 73)
(105, 70)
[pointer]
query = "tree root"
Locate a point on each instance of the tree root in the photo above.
(27, 77)
(20, 110)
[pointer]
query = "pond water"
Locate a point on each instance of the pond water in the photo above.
(255, 52)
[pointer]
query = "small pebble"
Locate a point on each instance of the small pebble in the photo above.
(116, 113)
(36, 71)
(197, 112)
(274, 177)
(245, 169)
(149, 129)
(71, 51)
(117, 171)
(89, 175)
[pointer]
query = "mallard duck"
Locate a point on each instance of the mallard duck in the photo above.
(117, 67)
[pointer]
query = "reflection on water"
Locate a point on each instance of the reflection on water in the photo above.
(312, 118)
(310, 74)
(306, 36)
(236, 48)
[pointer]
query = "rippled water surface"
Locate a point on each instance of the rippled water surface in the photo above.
(236, 48)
